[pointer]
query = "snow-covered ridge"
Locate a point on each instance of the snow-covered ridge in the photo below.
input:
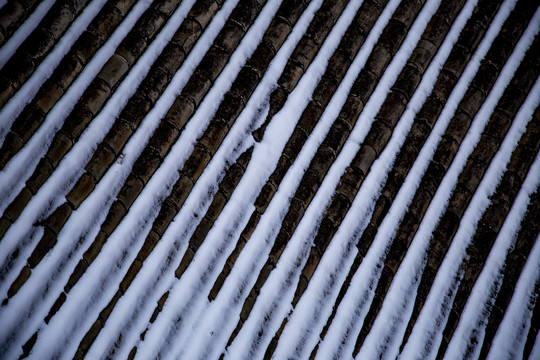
(269, 179)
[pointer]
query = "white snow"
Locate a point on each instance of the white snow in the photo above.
(211, 251)
(390, 324)
(535, 352)
(322, 291)
(189, 326)
(477, 309)
(510, 338)
(426, 333)
(340, 337)
(22, 165)
(20, 168)
(26, 92)
(63, 178)
(9, 47)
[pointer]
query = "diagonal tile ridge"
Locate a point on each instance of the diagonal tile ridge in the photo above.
(92, 100)
(269, 179)
(442, 159)
(305, 52)
(533, 331)
(431, 109)
(492, 221)
(28, 56)
(450, 220)
(132, 114)
(34, 113)
(501, 200)
(159, 76)
(12, 15)
(424, 121)
(363, 21)
(514, 265)
(191, 249)
(192, 94)
(353, 178)
(387, 46)
(59, 217)
(90, 104)
(230, 181)
(217, 129)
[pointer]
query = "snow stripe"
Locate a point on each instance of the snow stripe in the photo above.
(194, 129)
(342, 24)
(473, 319)
(397, 305)
(308, 318)
(358, 297)
(246, 191)
(8, 49)
(17, 238)
(112, 181)
(427, 330)
(20, 168)
(61, 180)
(18, 101)
(512, 333)
(267, 314)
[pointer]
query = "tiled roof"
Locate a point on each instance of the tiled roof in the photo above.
(257, 179)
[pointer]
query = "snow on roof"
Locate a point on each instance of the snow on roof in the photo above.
(256, 179)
